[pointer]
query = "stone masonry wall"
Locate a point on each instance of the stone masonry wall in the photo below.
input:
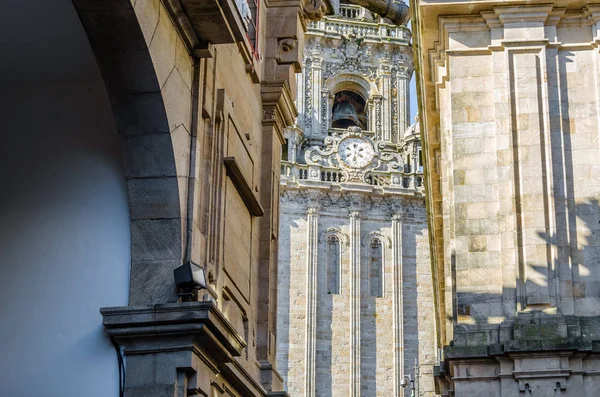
(512, 153)
(333, 325)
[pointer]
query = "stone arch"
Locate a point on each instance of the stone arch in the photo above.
(336, 231)
(352, 82)
(355, 83)
(377, 279)
(147, 120)
(376, 235)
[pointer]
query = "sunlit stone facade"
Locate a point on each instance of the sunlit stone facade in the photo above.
(510, 124)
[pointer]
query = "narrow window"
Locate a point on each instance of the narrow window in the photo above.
(285, 151)
(408, 167)
(420, 160)
(376, 268)
(333, 265)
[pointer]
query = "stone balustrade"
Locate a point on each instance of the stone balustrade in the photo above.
(311, 174)
(354, 21)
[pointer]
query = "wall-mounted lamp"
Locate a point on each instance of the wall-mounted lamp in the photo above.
(189, 278)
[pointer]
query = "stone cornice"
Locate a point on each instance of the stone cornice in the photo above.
(132, 324)
(279, 109)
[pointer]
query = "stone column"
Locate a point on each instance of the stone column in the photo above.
(376, 116)
(325, 113)
(300, 100)
(386, 103)
(355, 304)
(398, 302)
(315, 81)
(311, 300)
(403, 104)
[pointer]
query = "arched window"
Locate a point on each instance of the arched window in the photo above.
(376, 268)
(333, 265)
(349, 109)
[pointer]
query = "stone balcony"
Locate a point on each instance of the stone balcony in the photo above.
(303, 175)
(354, 19)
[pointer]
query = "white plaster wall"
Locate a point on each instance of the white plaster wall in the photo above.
(64, 239)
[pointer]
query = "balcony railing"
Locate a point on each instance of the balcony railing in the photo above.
(311, 174)
(351, 12)
(344, 25)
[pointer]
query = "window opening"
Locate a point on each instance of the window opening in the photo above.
(248, 10)
(284, 151)
(333, 265)
(376, 268)
(349, 110)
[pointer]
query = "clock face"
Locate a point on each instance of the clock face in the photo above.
(355, 152)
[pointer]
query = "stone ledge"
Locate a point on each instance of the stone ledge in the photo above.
(201, 318)
(520, 346)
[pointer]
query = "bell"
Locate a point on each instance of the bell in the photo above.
(344, 116)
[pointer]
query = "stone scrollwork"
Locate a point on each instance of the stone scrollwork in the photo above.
(356, 155)
(390, 161)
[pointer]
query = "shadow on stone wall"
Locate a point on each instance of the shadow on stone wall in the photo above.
(572, 278)
(571, 317)
(411, 314)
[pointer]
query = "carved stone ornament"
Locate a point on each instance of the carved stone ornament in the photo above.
(355, 154)
(314, 9)
(285, 45)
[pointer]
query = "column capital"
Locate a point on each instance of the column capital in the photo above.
(354, 214)
(312, 211)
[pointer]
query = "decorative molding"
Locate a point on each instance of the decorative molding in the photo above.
(385, 240)
(243, 187)
(334, 231)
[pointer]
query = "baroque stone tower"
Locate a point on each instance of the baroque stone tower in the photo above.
(355, 304)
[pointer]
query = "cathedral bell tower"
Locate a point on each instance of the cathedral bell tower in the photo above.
(353, 233)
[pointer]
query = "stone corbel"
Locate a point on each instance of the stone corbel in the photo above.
(313, 10)
(289, 53)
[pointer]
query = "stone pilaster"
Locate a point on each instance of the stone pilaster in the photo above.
(386, 102)
(311, 299)
(317, 97)
(398, 304)
(402, 95)
(355, 304)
